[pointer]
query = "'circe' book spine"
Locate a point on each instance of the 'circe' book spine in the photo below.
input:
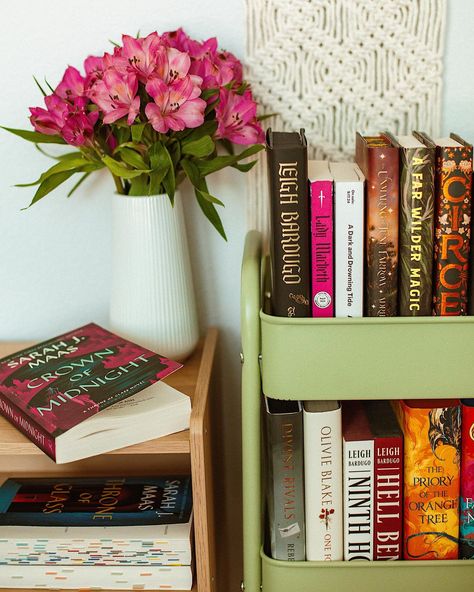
(30, 429)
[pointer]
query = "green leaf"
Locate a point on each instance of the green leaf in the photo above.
(49, 86)
(137, 131)
(159, 157)
(39, 86)
(211, 106)
(120, 171)
(210, 198)
(49, 184)
(210, 212)
(266, 116)
(66, 156)
(169, 182)
(208, 128)
(132, 158)
(139, 185)
(227, 145)
(122, 134)
(244, 168)
(36, 137)
(208, 93)
(219, 162)
(174, 148)
(156, 179)
(192, 172)
(199, 148)
(81, 180)
(73, 164)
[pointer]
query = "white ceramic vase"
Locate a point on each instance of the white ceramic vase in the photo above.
(152, 300)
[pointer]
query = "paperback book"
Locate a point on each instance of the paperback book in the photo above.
(85, 392)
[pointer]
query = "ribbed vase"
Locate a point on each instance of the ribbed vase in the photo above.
(152, 300)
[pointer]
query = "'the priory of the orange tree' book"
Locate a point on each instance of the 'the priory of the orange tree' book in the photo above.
(90, 391)
(432, 443)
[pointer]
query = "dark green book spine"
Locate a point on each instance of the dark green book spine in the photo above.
(417, 193)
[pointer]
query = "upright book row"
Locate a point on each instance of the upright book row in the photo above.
(387, 235)
(371, 481)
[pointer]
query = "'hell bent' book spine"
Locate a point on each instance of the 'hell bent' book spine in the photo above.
(466, 547)
(288, 178)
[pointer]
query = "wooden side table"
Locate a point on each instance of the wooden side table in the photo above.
(183, 452)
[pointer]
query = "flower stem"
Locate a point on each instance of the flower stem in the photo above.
(118, 185)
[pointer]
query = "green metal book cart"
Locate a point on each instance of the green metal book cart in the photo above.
(344, 358)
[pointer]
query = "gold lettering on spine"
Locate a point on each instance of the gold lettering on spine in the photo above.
(289, 222)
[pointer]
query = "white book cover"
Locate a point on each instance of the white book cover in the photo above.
(349, 238)
(97, 577)
(358, 495)
(323, 480)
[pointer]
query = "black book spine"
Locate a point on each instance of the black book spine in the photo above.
(290, 266)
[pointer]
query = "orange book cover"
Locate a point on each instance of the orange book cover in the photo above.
(432, 445)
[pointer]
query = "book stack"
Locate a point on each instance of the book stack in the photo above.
(373, 480)
(114, 533)
(387, 235)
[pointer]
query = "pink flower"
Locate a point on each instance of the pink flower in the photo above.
(230, 68)
(79, 128)
(176, 107)
(236, 116)
(49, 121)
(141, 54)
(116, 96)
(94, 67)
(177, 39)
(72, 84)
(172, 65)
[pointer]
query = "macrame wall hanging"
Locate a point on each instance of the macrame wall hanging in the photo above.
(335, 67)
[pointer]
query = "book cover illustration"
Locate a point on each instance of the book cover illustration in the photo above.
(452, 229)
(61, 382)
(466, 512)
(432, 442)
(95, 501)
(417, 190)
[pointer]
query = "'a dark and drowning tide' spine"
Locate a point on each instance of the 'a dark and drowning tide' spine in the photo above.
(290, 254)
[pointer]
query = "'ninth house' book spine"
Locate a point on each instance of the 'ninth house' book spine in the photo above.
(290, 267)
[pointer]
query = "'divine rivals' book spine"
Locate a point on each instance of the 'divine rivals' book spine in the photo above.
(285, 489)
(416, 231)
(452, 230)
(323, 485)
(466, 515)
(432, 436)
(322, 255)
(358, 496)
(388, 469)
(289, 205)
(349, 248)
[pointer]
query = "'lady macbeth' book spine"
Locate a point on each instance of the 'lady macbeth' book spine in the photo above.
(432, 436)
(452, 229)
(285, 490)
(378, 159)
(467, 481)
(416, 231)
(288, 178)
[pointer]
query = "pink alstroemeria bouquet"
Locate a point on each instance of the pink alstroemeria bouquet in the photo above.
(153, 112)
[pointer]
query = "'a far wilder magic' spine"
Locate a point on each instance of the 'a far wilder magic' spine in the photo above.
(288, 181)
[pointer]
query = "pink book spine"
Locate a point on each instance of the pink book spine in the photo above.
(322, 248)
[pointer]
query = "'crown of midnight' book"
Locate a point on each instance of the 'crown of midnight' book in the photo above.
(53, 393)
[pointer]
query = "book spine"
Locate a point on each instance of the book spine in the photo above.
(349, 250)
(416, 231)
(388, 498)
(286, 490)
(382, 207)
(290, 267)
(358, 496)
(431, 481)
(452, 230)
(29, 428)
(322, 255)
(467, 482)
(323, 485)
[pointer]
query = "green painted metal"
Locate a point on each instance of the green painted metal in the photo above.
(251, 467)
(342, 358)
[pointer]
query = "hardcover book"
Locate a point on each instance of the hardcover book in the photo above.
(289, 207)
(323, 480)
(285, 489)
(378, 160)
(417, 192)
(432, 448)
(453, 183)
(466, 516)
(91, 521)
(322, 238)
(349, 238)
(85, 392)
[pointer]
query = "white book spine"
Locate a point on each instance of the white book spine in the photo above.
(358, 468)
(323, 485)
(349, 248)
